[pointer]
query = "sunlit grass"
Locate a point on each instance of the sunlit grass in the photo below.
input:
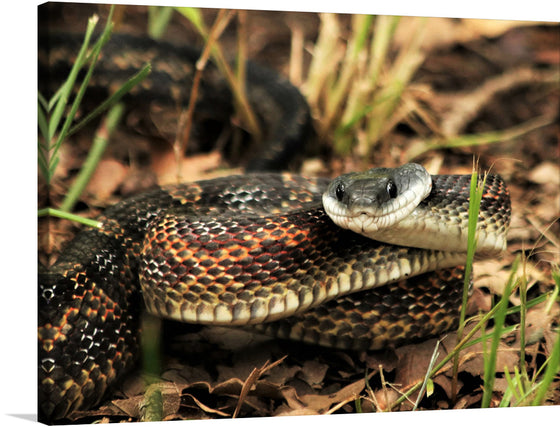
(354, 86)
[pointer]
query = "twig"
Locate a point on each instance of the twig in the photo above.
(255, 374)
(465, 107)
(433, 359)
(186, 118)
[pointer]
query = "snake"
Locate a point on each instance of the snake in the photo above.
(294, 257)
(365, 261)
(154, 105)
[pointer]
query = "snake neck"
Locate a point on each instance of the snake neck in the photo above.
(441, 220)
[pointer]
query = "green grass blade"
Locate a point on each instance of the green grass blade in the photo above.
(490, 359)
(82, 90)
(552, 370)
(69, 216)
(553, 360)
(510, 391)
(158, 20)
(43, 143)
(522, 321)
(195, 17)
(43, 121)
(462, 344)
(43, 102)
(405, 66)
(556, 290)
(476, 192)
(475, 197)
(113, 99)
(358, 405)
(475, 140)
(361, 25)
(66, 89)
(384, 31)
(100, 142)
(362, 98)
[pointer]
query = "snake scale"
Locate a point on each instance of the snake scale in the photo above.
(256, 249)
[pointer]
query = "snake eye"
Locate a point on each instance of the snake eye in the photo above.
(391, 189)
(339, 191)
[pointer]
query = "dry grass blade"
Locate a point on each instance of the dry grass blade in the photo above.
(243, 107)
(427, 379)
(352, 86)
(186, 118)
(296, 55)
(326, 55)
(409, 59)
(255, 374)
(472, 140)
(464, 107)
(350, 66)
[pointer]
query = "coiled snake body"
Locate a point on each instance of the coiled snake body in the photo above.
(259, 249)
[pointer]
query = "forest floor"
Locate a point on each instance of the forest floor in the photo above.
(493, 79)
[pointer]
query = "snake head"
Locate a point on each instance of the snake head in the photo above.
(366, 202)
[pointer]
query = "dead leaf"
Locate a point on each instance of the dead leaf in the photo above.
(193, 374)
(472, 358)
(468, 401)
(321, 402)
(546, 173)
(414, 361)
(292, 399)
(313, 372)
(539, 321)
(444, 32)
(107, 177)
(250, 382)
(282, 374)
(479, 301)
(385, 398)
(193, 168)
(206, 408)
